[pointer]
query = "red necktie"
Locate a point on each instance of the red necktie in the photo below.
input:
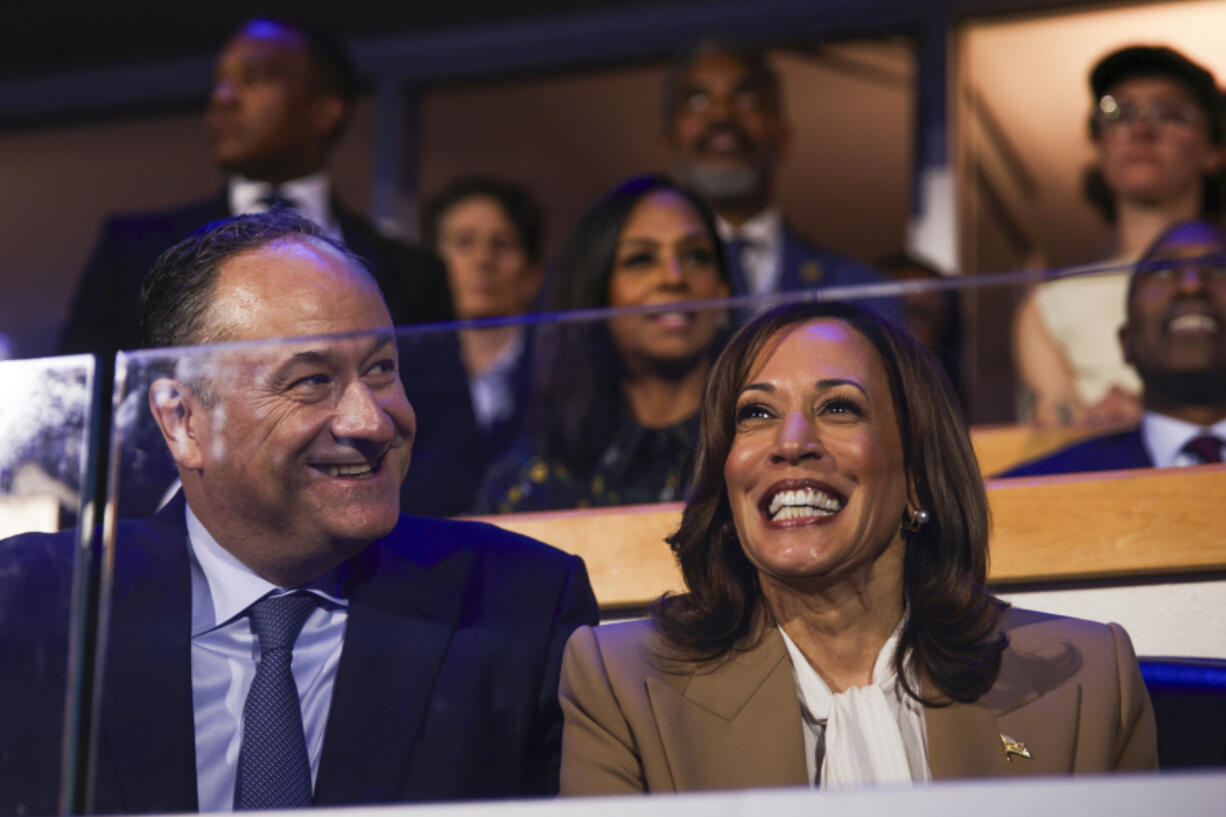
(1207, 448)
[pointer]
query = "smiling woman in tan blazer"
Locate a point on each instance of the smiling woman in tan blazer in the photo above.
(836, 630)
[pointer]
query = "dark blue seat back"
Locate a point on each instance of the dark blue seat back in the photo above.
(1189, 697)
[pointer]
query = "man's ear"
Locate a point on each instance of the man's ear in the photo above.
(327, 113)
(177, 412)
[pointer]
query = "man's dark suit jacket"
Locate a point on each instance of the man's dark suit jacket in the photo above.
(1112, 452)
(446, 688)
(451, 451)
(804, 265)
(102, 316)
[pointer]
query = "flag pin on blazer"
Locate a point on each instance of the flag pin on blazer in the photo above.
(1013, 747)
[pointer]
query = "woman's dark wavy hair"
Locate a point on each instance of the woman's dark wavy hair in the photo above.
(579, 369)
(950, 632)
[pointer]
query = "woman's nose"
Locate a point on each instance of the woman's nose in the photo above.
(796, 440)
(673, 272)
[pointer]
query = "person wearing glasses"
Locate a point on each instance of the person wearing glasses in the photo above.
(1157, 128)
(471, 387)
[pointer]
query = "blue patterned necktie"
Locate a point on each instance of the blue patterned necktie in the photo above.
(273, 768)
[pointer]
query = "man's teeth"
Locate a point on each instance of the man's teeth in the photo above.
(1193, 323)
(803, 503)
(350, 471)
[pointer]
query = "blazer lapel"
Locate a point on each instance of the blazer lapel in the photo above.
(148, 728)
(736, 726)
(401, 618)
(968, 740)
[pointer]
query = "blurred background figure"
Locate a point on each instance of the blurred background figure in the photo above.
(934, 317)
(282, 96)
(488, 233)
(470, 388)
(726, 131)
(1157, 127)
(615, 411)
(1175, 338)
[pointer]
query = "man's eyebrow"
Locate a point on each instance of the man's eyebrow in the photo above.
(309, 357)
(379, 341)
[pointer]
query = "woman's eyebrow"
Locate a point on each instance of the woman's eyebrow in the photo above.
(637, 240)
(832, 382)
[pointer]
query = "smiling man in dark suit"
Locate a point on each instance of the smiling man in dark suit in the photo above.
(726, 131)
(1175, 337)
(281, 98)
(280, 634)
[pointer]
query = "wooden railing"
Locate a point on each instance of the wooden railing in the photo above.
(1048, 529)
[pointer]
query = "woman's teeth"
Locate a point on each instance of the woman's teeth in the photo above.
(803, 503)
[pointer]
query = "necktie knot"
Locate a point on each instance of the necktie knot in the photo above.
(1206, 448)
(277, 620)
(273, 200)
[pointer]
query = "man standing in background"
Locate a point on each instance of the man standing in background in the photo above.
(726, 131)
(282, 96)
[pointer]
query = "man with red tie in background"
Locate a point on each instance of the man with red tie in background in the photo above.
(1175, 337)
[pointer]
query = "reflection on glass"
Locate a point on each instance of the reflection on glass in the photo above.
(44, 416)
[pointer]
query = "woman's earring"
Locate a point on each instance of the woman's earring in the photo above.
(912, 521)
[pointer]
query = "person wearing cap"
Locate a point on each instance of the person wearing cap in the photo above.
(1157, 128)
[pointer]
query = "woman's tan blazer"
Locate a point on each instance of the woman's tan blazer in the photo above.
(1069, 695)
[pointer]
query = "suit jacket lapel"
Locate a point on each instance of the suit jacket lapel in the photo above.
(402, 615)
(148, 727)
(738, 726)
(965, 740)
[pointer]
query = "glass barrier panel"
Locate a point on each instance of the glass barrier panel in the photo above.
(45, 412)
(246, 467)
(558, 411)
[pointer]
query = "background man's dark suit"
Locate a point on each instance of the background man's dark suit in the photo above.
(102, 316)
(446, 687)
(805, 265)
(1112, 452)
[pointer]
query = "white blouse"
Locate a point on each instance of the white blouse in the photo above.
(868, 734)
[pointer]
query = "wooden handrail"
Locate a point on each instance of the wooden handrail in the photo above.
(1001, 447)
(1045, 530)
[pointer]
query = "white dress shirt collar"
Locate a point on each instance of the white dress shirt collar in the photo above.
(224, 587)
(312, 197)
(762, 261)
(869, 734)
(1164, 438)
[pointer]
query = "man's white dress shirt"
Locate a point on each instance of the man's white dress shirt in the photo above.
(311, 196)
(1164, 438)
(762, 258)
(224, 654)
